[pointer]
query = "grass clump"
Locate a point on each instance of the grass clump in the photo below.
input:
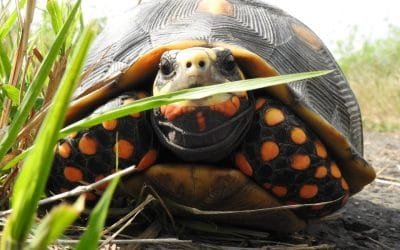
(374, 75)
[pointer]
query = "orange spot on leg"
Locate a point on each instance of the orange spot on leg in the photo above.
(243, 164)
(321, 172)
(87, 145)
(298, 136)
(148, 159)
(335, 171)
(269, 151)
(300, 161)
(279, 191)
(125, 149)
(308, 191)
(73, 174)
(273, 116)
(64, 150)
(320, 149)
(110, 125)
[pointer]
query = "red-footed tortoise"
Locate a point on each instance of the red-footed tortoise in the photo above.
(231, 157)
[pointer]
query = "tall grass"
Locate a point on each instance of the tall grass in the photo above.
(374, 74)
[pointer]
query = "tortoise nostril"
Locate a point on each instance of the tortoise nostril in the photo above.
(202, 64)
(188, 64)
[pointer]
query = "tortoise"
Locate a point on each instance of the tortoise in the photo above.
(241, 158)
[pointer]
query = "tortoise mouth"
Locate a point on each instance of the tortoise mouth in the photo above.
(203, 133)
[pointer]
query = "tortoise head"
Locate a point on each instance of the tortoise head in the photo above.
(209, 128)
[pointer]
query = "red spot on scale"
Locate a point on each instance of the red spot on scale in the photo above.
(298, 136)
(73, 174)
(242, 163)
(279, 191)
(335, 171)
(90, 196)
(308, 191)
(300, 161)
(269, 150)
(64, 150)
(274, 116)
(147, 160)
(87, 145)
(201, 121)
(320, 149)
(110, 125)
(320, 172)
(124, 148)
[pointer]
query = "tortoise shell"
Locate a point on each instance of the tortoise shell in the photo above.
(264, 40)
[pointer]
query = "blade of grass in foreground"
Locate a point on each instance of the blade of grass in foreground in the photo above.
(187, 94)
(157, 101)
(55, 222)
(31, 182)
(34, 89)
(90, 238)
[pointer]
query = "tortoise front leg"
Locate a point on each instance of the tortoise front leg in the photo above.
(91, 154)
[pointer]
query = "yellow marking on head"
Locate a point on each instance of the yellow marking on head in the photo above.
(216, 7)
(195, 59)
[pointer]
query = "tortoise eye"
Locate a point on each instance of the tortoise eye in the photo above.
(229, 63)
(166, 67)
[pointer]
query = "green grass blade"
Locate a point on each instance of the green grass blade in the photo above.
(15, 160)
(55, 15)
(55, 223)
(34, 89)
(11, 92)
(31, 182)
(90, 238)
(9, 23)
(5, 64)
(154, 102)
(187, 94)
